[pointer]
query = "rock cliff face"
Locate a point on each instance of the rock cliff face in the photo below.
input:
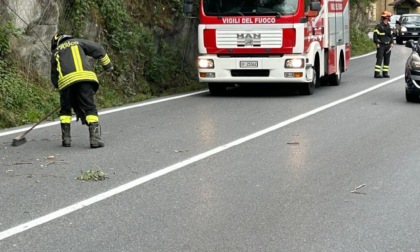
(38, 20)
(187, 28)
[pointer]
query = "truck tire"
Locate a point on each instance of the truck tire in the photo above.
(335, 79)
(217, 89)
(309, 87)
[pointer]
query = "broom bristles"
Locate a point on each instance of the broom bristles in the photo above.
(18, 141)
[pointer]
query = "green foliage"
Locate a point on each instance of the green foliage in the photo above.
(360, 42)
(78, 10)
(21, 101)
(92, 175)
(155, 13)
(117, 23)
(6, 31)
(144, 61)
(362, 4)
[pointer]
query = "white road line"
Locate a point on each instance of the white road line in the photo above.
(64, 211)
(44, 125)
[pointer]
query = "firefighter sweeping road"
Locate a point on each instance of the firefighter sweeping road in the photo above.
(260, 169)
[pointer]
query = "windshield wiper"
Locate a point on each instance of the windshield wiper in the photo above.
(268, 13)
(238, 13)
(251, 13)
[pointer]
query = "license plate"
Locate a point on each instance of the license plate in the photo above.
(248, 64)
(415, 33)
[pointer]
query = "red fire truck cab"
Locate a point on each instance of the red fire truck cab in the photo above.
(302, 42)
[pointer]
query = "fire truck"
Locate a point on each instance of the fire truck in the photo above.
(305, 43)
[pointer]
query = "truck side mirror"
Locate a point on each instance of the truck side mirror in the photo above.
(188, 7)
(314, 8)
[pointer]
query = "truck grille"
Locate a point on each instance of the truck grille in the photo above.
(254, 38)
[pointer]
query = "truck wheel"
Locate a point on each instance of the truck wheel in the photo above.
(335, 79)
(308, 88)
(217, 89)
(399, 40)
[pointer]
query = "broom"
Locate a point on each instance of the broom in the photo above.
(21, 139)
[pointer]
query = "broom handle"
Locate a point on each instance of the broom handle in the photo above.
(41, 120)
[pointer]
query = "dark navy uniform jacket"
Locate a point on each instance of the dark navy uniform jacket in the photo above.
(70, 65)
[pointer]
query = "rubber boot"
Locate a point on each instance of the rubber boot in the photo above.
(65, 134)
(378, 75)
(95, 136)
(386, 75)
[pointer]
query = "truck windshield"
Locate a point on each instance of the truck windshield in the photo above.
(249, 7)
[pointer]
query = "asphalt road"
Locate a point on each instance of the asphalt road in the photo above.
(257, 170)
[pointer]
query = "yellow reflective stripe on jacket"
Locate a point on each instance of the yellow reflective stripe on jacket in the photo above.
(65, 119)
(76, 76)
(379, 33)
(92, 119)
(78, 65)
(105, 60)
(57, 58)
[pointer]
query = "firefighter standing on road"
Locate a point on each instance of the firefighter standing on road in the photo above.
(77, 83)
(382, 37)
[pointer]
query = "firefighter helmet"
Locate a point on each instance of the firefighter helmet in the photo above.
(386, 14)
(57, 39)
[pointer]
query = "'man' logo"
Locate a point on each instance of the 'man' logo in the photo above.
(248, 36)
(249, 39)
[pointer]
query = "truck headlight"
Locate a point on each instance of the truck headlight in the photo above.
(294, 63)
(205, 63)
(403, 29)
